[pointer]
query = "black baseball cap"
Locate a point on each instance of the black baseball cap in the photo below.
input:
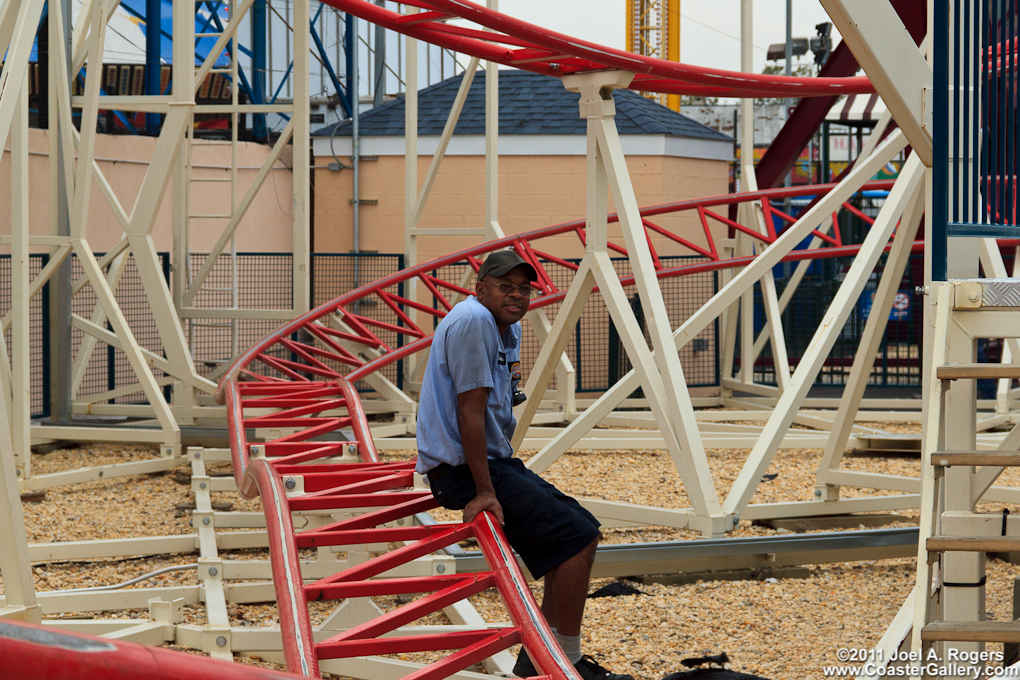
(500, 262)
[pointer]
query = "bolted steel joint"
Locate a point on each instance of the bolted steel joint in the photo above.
(221, 641)
(290, 483)
(213, 571)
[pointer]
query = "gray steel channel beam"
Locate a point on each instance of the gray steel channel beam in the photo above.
(728, 554)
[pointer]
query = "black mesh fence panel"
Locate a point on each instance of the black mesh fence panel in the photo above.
(595, 348)
(244, 281)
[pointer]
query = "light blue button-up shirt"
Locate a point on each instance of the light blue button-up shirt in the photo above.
(467, 353)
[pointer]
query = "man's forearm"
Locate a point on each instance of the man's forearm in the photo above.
(472, 436)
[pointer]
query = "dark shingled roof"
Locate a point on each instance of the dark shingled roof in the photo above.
(529, 104)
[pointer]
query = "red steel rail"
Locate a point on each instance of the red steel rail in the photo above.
(517, 43)
(299, 380)
(36, 652)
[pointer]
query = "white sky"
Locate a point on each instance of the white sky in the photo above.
(709, 29)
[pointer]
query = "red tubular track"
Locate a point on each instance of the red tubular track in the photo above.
(31, 652)
(517, 43)
(299, 380)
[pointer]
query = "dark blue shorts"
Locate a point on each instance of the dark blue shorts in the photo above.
(545, 526)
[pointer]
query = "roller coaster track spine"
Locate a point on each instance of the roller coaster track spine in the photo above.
(517, 43)
(299, 380)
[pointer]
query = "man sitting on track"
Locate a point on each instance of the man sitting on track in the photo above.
(465, 425)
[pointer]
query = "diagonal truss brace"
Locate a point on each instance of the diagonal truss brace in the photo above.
(727, 296)
(660, 373)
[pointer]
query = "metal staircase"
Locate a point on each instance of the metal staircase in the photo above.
(955, 538)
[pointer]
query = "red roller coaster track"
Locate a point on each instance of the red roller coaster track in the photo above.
(299, 380)
(517, 43)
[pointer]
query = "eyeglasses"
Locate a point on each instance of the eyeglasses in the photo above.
(506, 288)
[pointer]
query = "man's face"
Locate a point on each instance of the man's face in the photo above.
(506, 308)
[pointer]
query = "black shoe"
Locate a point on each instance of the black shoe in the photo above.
(524, 668)
(589, 669)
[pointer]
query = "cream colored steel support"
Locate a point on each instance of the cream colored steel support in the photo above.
(898, 69)
(300, 168)
(492, 228)
(21, 374)
(135, 354)
(15, 569)
(89, 116)
(566, 376)
(662, 376)
(961, 602)
(21, 34)
(871, 339)
(229, 31)
(727, 295)
(559, 335)
(410, 174)
(61, 127)
(995, 268)
(903, 193)
(444, 141)
(728, 323)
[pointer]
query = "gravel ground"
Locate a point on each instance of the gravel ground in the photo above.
(778, 628)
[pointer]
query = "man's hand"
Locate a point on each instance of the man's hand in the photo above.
(485, 501)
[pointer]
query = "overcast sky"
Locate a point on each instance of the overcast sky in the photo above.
(709, 29)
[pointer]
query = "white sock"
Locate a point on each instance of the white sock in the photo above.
(571, 645)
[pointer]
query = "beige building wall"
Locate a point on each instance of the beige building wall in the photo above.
(534, 192)
(124, 160)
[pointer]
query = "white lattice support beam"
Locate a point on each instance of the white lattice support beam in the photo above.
(17, 33)
(301, 165)
(132, 350)
(871, 340)
(554, 345)
(62, 130)
(995, 268)
(444, 141)
(566, 376)
(905, 191)
(15, 570)
(411, 178)
(960, 601)
(690, 460)
(892, 60)
(89, 115)
(21, 371)
(728, 295)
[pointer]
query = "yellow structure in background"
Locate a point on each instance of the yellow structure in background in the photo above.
(653, 29)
